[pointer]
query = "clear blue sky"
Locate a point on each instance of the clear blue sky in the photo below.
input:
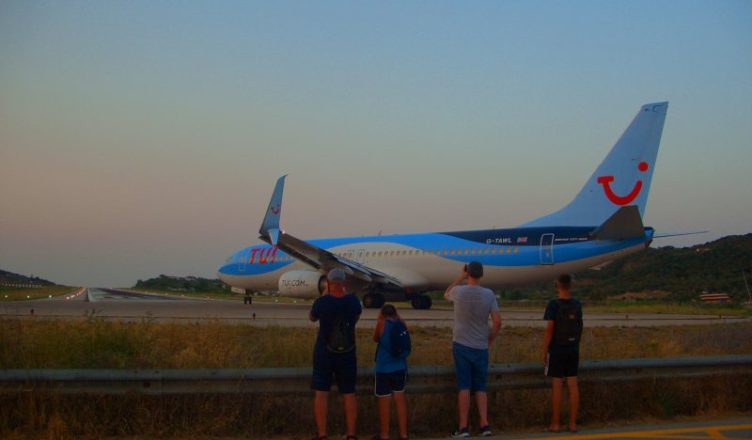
(141, 137)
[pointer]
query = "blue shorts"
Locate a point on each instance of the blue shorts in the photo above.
(562, 365)
(387, 383)
(342, 367)
(470, 367)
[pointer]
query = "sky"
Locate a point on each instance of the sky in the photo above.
(142, 138)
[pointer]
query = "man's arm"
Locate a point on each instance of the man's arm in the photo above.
(457, 280)
(496, 320)
(313, 315)
(379, 328)
(547, 340)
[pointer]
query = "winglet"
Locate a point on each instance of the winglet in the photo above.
(270, 225)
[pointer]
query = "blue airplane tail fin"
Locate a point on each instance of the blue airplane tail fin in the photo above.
(622, 179)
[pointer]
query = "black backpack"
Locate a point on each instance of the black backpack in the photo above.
(399, 340)
(341, 337)
(568, 324)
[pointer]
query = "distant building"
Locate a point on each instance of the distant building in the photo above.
(715, 298)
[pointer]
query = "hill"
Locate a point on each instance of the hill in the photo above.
(169, 283)
(678, 274)
(10, 279)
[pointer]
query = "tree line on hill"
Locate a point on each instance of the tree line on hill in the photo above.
(678, 274)
(169, 283)
(14, 279)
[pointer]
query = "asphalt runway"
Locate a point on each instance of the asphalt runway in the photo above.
(133, 306)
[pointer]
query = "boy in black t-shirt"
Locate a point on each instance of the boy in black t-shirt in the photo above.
(561, 351)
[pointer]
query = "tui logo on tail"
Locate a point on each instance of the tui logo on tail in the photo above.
(622, 200)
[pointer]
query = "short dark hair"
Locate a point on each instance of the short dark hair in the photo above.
(389, 311)
(474, 269)
(564, 281)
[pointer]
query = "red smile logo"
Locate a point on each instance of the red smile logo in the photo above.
(622, 200)
(276, 209)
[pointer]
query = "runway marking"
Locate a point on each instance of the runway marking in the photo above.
(710, 432)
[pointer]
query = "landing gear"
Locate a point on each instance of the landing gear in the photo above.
(421, 302)
(373, 300)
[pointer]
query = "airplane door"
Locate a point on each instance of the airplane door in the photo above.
(547, 249)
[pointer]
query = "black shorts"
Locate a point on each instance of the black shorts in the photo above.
(562, 364)
(387, 383)
(342, 367)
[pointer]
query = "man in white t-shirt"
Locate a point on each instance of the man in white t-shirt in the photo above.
(473, 305)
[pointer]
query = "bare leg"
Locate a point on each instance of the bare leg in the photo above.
(481, 401)
(320, 408)
(463, 407)
(384, 403)
(556, 386)
(401, 403)
(350, 404)
(574, 401)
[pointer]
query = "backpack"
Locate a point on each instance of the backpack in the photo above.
(568, 324)
(400, 343)
(341, 337)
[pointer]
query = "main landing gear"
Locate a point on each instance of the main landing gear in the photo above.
(421, 302)
(373, 300)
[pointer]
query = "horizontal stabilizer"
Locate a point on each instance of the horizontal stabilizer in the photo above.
(678, 234)
(623, 225)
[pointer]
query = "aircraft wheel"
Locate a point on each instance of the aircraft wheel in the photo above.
(426, 302)
(421, 302)
(373, 300)
(378, 300)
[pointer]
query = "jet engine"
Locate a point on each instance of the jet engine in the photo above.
(305, 284)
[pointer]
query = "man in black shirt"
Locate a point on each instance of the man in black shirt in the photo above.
(561, 350)
(334, 354)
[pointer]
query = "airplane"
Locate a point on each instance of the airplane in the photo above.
(602, 223)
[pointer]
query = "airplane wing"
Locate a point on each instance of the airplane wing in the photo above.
(310, 254)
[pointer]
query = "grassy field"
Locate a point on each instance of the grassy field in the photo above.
(96, 343)
(20, 294)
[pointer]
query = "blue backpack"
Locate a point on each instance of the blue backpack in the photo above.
(399, 340)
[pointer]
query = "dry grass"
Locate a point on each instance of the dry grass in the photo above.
(96, 343)
(99, 343)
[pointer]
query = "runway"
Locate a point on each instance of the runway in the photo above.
(134, 306)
